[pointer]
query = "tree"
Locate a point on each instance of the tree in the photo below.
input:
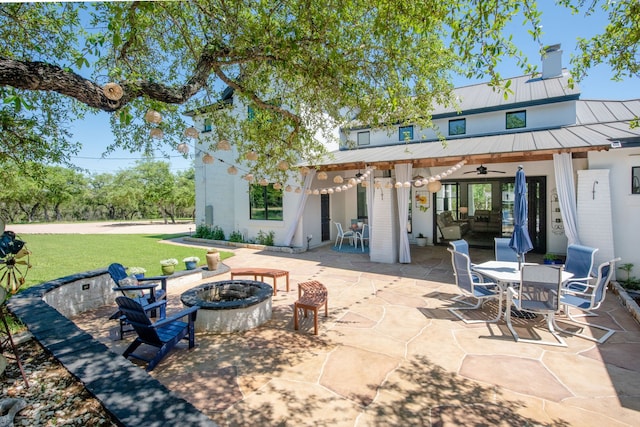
(301, 66)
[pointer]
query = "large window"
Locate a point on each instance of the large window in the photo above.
(516, 120)
(458, 127)
(265, 202)
(405, 133)
(363, 138)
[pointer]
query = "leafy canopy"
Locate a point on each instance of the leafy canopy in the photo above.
(301, 66)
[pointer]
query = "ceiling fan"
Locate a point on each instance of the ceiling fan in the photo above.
(482, 170)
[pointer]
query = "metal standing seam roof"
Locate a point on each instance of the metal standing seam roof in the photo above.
(588, 134)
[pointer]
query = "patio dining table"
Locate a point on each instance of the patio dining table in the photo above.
(507, 273)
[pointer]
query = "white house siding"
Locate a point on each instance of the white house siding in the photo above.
(594, 213)
(625, 207)
(538, 116)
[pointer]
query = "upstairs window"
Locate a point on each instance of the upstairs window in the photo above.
(265, 202)
(363, 138)
(405, 133)
(457, 127)
(517, 119)
(207, 125)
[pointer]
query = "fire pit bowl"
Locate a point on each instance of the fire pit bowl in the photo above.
(230, 305)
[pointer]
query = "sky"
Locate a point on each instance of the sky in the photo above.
(558, 26)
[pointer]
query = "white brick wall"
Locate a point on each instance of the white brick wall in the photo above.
(384, 230)
(595, 226)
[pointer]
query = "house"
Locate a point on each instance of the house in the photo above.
(568, 148)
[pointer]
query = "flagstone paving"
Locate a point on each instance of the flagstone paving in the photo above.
(390, 353)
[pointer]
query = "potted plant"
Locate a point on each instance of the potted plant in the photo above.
(168, 266)
(138, 272)
(213, 258)
(421, 240)
(191, 262)
(549, 258)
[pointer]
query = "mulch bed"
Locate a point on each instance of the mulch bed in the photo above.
(54, 396)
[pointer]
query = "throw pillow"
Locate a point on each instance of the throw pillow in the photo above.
(130, 281)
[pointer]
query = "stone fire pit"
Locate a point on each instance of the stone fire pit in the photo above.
(230, 305)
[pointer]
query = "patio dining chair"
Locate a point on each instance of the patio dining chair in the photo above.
(538, 293)
(362, 235)
(589, 300)
(504, 252)
(472, 285)
(580, 261)
(342, 234)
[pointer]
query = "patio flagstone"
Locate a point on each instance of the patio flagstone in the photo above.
(390, 353)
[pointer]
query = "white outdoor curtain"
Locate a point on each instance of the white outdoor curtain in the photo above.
(303, 201)
(403, 174)
(563, 167)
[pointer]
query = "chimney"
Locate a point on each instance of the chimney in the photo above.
(552, 62)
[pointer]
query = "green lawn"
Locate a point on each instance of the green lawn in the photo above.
(58, 255)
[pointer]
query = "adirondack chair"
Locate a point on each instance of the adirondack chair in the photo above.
(163, 334)
(144, 294)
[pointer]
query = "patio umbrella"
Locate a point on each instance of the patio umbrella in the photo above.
(520, 240)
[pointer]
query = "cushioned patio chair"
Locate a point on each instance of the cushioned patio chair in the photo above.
(580, 260)
(472, 285)
(589, 300)
(538, 293)
(144, 291)
(163, 334)
(504, 252)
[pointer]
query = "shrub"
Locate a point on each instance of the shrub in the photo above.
(209, 232)
(265, 238)
(236, 236)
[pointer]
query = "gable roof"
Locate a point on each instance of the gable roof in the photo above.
(526, 91)
(590, 133)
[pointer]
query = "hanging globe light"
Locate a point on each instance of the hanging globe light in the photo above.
(304, 171)
(398, 184)
(338, 189)
(352, 181)
(248, 177)
(322, 175)
(316, 192)
(283, 165)
(191, 132)
(207, 158)
(323, 191)
(330, 191)
(277, 186)
(232, 170)
(406, 184)
(264, 182)
(153, 116)
(288, 188)
(251, 155)
(224, 145)
(365, 183)
(307, 191)
(183, 148)
(434, 186)
(156, 133)
(338, 179)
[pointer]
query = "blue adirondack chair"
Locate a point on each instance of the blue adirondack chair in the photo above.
(142, 293)
(163, 334)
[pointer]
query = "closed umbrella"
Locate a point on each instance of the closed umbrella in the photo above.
(520, 240)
